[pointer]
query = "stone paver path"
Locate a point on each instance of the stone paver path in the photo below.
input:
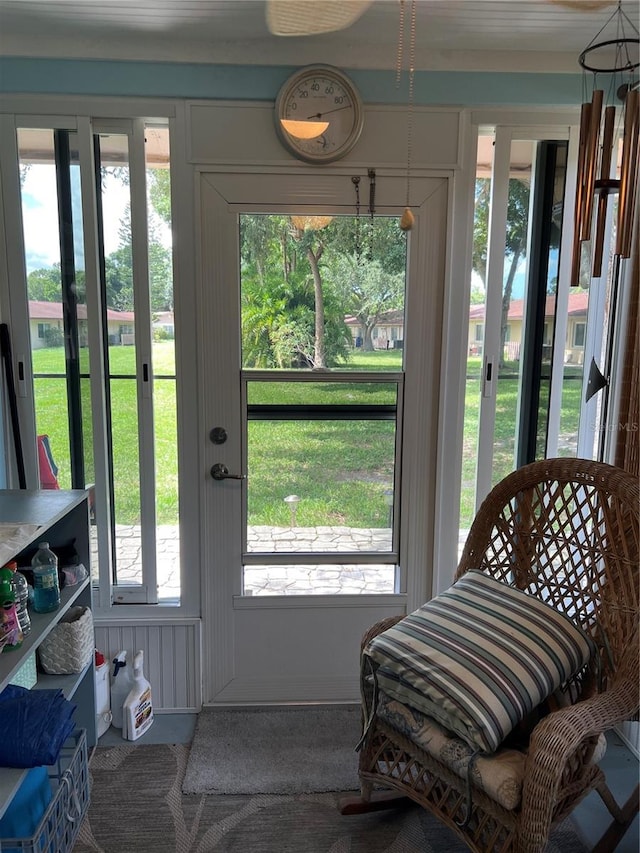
(317, 579)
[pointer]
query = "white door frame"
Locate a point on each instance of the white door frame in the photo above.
(303, 648)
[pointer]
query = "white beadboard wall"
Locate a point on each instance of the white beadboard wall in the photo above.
(172, 661)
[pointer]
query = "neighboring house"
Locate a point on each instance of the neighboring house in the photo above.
(576, 325)
(44, 316)
(163, 321)
(388, 333)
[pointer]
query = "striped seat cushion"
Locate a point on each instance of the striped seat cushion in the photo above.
(479, 658)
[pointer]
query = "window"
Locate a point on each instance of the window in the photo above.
(578, 334)
(519, 201)
(321, 443)
(139, 513)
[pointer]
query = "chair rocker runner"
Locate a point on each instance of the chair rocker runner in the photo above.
(550, 569)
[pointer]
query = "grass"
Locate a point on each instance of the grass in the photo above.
(340, 469)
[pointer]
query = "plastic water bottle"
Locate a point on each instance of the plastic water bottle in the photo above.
(46, 589)
(10, 630)
(21, 592)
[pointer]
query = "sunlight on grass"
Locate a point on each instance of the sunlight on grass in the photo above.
(340, 469)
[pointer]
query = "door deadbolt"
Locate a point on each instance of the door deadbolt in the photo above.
(218, 435)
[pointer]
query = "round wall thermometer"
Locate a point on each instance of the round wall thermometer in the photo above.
(319, 114)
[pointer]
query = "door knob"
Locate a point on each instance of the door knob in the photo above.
(221, 472)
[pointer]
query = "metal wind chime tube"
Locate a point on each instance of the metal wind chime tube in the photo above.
(628, 176)
(605, 172)
(597, 153)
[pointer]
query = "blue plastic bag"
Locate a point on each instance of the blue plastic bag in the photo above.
(34, 725)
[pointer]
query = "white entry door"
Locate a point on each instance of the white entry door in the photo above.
(321, 327)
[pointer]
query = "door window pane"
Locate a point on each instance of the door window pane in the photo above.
(322, 292)
(320, 485)
(322, 308)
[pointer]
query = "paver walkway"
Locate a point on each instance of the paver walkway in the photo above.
(318, 579)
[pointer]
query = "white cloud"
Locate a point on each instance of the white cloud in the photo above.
(40, 216)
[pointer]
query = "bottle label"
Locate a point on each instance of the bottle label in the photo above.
(42, 580)
(10, 629)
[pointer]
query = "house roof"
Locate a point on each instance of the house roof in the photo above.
(577, 305)
(388, 318)
(39, 310)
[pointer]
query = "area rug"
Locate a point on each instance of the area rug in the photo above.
(293, 750)
(137, 806)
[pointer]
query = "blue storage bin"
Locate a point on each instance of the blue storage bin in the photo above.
(51, 826)
(28, 805)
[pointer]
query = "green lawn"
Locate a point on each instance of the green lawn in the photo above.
(340, 469)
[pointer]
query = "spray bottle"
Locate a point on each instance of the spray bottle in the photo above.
(137, 713)
(120, 687)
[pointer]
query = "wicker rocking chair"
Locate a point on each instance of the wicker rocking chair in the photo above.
(567, 532)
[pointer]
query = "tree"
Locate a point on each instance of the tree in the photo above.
(159, 184)
(289, 317)
(119, 270)
(45, 285)
(481, 228)
(368, 292)
(119, 279)
(515, 247)
(515, 240)
(308, 232)
(302, 275)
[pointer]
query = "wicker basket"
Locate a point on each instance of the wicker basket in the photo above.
(70, 645)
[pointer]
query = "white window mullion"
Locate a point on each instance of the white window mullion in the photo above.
(144, 364)
(562, 303)
(98, 397)
(15, 311)
(493, 308)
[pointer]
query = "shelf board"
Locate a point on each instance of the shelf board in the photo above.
(41, 625)
(10, 780)
(67, 683)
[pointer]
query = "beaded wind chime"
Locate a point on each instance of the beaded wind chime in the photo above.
(407, 218)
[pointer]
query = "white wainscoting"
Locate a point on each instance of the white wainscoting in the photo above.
(172, 660)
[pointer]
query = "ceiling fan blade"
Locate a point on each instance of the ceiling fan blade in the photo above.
(312, 17)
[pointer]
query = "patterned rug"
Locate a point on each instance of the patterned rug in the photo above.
(137, 806)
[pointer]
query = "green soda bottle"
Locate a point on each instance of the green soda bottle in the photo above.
(10, 631)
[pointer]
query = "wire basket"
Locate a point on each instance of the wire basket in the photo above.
(61, 822)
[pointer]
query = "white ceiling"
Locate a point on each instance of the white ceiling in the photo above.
(495, 35)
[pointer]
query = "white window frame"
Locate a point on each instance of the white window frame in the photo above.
(74, 114)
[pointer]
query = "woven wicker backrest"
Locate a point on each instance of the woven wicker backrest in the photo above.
(567, 531)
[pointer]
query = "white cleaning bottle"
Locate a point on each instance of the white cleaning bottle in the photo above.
(120, 687)
(137, 713)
